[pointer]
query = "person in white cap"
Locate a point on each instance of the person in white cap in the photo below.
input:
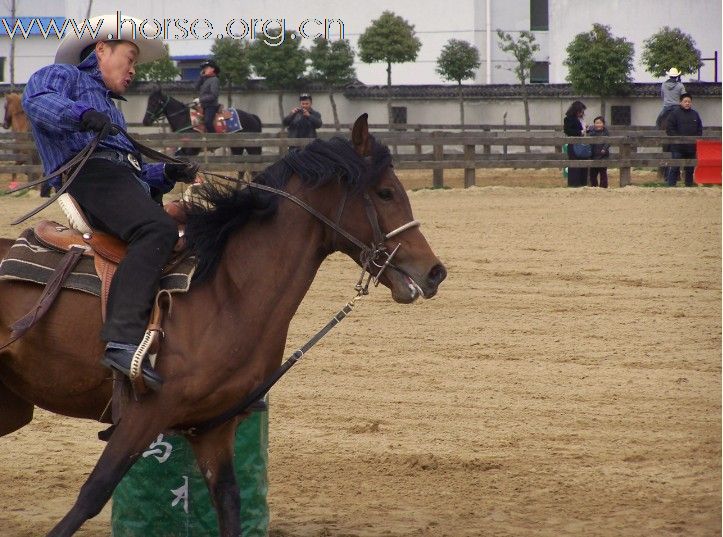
(68, 103)
(670, 91)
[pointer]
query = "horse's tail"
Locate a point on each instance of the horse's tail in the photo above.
(258, 120)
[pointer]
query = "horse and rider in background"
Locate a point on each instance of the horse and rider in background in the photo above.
(184, 118)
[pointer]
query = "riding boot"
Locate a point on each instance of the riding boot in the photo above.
(120, 360)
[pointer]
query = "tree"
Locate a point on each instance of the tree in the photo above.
(389, 39)
(160, 70)
(458, 62)
(523, 50)
(599, 64)
(668, 48)
(282, 66)
(232, 57)
(13, 10)
(332, 63)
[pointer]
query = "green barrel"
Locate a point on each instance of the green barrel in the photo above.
(164, 494)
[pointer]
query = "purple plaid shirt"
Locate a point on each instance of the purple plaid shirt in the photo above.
(54, 100)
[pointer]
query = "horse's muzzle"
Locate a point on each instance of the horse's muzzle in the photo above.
(435, 276)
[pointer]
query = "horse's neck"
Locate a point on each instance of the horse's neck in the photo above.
(270, 265)
(20, 122)
(177, 115)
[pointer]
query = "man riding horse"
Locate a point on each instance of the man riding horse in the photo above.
(209, 88)
(69, 104)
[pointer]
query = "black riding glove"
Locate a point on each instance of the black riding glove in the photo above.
(183, 171)
(92, 120)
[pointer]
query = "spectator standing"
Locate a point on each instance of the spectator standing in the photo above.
(683, 121)
(600, 151)
(303, 120)
(573, 125)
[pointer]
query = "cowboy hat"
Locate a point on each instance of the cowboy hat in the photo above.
(673, 72)
(131, 29)
(212, 64)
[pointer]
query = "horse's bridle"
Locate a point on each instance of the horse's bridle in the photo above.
(157, 113)
(369, 254)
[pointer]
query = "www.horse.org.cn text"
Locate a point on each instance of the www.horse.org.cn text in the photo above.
(272, 31)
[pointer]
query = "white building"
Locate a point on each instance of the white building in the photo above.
(553, 22)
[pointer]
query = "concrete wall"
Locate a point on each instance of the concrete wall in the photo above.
(543, 111)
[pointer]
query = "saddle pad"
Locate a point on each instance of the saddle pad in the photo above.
(28, 260)
(233, 124)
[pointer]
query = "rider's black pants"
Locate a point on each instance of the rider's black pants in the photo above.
(209, 118)
(116, 202)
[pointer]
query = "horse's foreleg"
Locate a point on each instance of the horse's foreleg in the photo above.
(134, 433)
(214, 453)
(14, 411)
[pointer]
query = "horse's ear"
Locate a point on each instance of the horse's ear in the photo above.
(360, 135)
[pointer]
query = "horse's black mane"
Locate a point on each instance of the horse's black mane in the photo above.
(218, 211)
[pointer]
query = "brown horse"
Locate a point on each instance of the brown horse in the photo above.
(15, 117)
(257, 256)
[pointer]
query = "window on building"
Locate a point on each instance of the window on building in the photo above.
(540, 73)
(620, 115)
(538, 15)
(2, 69)
(399, 115)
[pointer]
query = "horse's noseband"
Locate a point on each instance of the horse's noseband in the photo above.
(370, 255)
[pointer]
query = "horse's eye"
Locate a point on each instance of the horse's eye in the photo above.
(385, 193)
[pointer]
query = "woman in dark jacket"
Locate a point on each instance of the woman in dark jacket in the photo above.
(573, 126)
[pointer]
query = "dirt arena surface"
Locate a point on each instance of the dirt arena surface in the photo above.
(566, 381)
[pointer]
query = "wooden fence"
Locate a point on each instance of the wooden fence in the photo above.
(437, 150)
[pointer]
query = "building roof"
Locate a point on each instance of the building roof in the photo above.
(497, 91)
(190, 57)
(436, 91)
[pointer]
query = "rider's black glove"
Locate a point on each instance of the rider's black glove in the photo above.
(92, 120)
(184, 171)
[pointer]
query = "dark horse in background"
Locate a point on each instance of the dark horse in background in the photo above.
(257, 256)
(180, 117)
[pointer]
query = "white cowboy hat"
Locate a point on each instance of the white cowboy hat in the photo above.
(673, 72)
(131, 29)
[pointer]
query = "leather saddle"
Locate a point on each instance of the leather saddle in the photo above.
(105, 249)
(197, 119)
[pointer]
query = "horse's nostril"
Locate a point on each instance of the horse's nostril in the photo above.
(437, 275)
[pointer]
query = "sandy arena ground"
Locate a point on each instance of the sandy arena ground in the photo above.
(566, 381)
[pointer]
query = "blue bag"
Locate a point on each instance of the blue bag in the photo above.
(582, 151)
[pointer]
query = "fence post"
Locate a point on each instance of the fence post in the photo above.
(283, 148)
(469, 179)
(487, 148)
(625, 153)
(438, 156)
(418, 147)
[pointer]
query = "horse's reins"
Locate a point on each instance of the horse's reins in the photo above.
(368, 257)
